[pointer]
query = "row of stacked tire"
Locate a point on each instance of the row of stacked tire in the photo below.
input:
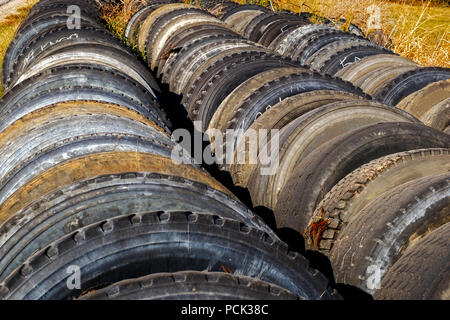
(365, 181)
(326, 48)
(92, 205)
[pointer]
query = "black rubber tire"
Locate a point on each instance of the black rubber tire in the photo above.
(181, 68)
(23, 38)
(78, 147)
(423, 100)
(386, 227)
(98, 54)
(185, 36)
(43, 5)
(357, 189)
(58, 38)
(421, 273)
(103, 197)
(277, 28)
(78, 82)
(357, 71)
(299, 38)
(38, 131)
(242, 8)
(216, 87)
(60, 7)
(302, 40)
(308, 133)
(407, 83)
(348, 56)
(314, 177)
(233, 102)
(256, 30)
(133, 25)
(240, 20)
(377, 79)
(187, 16)
(160, 22)
(315, 42)
(255, 21)
(131, 246)
(191, 285)
(277, 90)
(280, 115)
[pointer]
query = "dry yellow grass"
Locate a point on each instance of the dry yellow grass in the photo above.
(8, 27)
(419, 30)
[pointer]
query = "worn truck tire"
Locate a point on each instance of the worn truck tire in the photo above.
(379, 235)
(120, 248)
(402, 86)
(314, 177)
(421, 273)
(191, 285)
(423, 100)
(309, 132)
(277, 117)
(102, 197)
(348, 197)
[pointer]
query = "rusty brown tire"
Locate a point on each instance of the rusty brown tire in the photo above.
(277, 117)
(308, 132)
(389, 225)
(421, 273)
(323, 168)
(350, 195)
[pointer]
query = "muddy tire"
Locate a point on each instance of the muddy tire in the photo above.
(438, 117)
